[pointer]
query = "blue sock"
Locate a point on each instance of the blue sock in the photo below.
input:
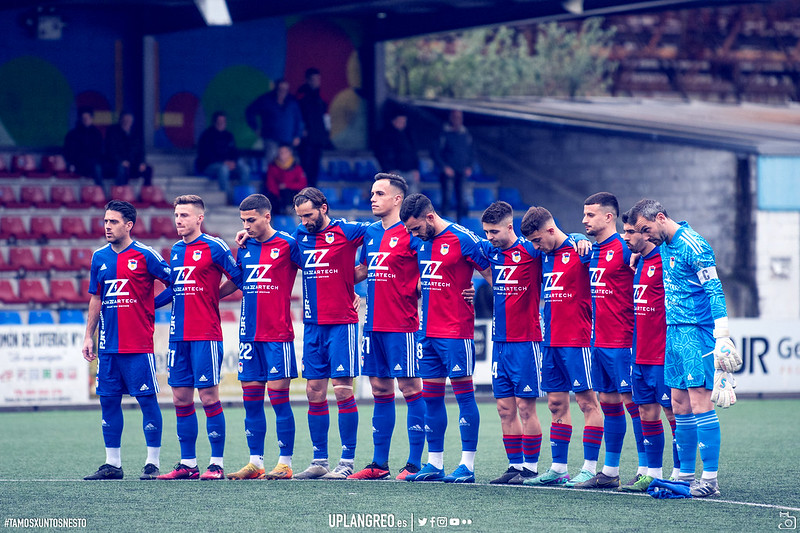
(319, 421)
(215, 427)
(187, 430)
(284, 420)
(435, 415)
(111, 411)
(686, 439)
(592, 438)
(653, 433)
(614, 427)
(416, 427)
(531, 446)
(383, 419)
(152, 423)
(708, 439)
(469, 419)
(348, 426)
(560, 435)
(676, 460)
(255, 421)
(513, 447)
(638, 434)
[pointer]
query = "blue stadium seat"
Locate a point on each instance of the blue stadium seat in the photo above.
(331, 194)
(163, 316)
(240, 192)
(285, 223)
(474, 225)
(513, 197)
(426, 166)
(352, 198)
(365, 169)
(40, 317)
(482, 197)
(435, 196)
(10, 317)
(429, 177)
(340, 169)
(70, 316)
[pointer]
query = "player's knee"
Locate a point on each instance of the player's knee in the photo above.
(506, 411)
(409, 386)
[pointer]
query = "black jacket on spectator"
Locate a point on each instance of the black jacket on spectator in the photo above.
(396, 150)
(215, 146)
(83, 148)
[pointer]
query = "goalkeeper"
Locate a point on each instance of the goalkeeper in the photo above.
(698, 341)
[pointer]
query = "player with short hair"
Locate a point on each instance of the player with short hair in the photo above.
(269, 263)
(612, 336)
(447, 255)
(516, 335)
(566, 358)
(197, 263)
(121, 285)
(697, 326)
(649, 341)
(389, 264)
(330, 344)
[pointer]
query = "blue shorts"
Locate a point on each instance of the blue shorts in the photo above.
(611, 369)
(566, 368)
(389, 354)
(194, 363)
(126, 373)
(442, 358)
(330, 351)
(515, 370)
(647, 383)
(689, 357)
(266, 361)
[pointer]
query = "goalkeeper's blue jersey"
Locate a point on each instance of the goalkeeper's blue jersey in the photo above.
(692, 291)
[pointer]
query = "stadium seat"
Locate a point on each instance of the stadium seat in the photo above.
(240, 192)
(153, 196)
(75, 227)
(482, 197)
(161, 226)
(474, 225)
(351, 198)
(71, 316)
(339, 169)
(97, 227)
(9, 293)
(331, 194)
(93, 195)
(13, 228)
(83, 286)
(22, 259)
(10, 317)
(32, 290)
(5, 169)
(429, 177)
(124, 193)
(165, 254)
(365, 169)
(8, 198)
(26, 163)
(43, 228)
(64, 195)
(33, 196)
(5, 266)
(435, 196)
(81, 258)
(56, 166)
(513, 197)
(40, 316)
(285, 223)
(63, 291)
(53, 258)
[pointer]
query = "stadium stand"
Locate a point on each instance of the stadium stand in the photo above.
(32, 290)
(71, 316)
(124, 193)
(23, 259)
(53, 258)
(74, 227)
(40, 316)
(64, 196)
(13, 228)
(81, 258)
(9, 293)
(8, 198)
(93, 195)
(62, 291)
(10, 318)
(43, 228)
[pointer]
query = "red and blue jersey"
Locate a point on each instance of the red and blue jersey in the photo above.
(516, 285)
(197, 268)
(328, 263)
(445, 265)
(124, 282)
(392, 278)
(269, 269)
(612, 294)
(650, 314)
(567, 297)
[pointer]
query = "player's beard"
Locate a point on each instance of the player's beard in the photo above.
(315, 225)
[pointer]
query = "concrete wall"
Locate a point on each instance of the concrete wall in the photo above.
(777, 260)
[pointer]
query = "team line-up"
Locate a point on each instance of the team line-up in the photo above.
(632, 322)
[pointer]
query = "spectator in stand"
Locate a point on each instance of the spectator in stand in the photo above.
(83, 147)
(396, 151)
(217, 156)
(125, 153)
(454, 154)
(285, 178)
(277, 117)
(317, 122)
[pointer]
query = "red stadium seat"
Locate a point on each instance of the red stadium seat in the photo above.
(64, 195)
(33, 196)
(13, 228)
(83, 286)
(93, 195)
(8, 198)
(26, 163)
(162, 226)
(63, 291)
(165, 253)
(56, 166)
(32, 290)
(153, 195)
(123, 192)
(97, 227)
(5, 169)
(75, 227)
(5, 266)
(8, 293)
(81, 258)
(22, 259)
(54, 258)
(44, 228)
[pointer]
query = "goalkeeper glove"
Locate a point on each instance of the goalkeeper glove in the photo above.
(723, 394)
(726, 357)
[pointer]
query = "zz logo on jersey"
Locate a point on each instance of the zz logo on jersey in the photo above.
(505, 275)
(258, 273)
(551, 281)
(116, 286)
(638, 294)
(376, 260)
(184, 275)
(597, 277)
(314, 259)
(430, 269)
